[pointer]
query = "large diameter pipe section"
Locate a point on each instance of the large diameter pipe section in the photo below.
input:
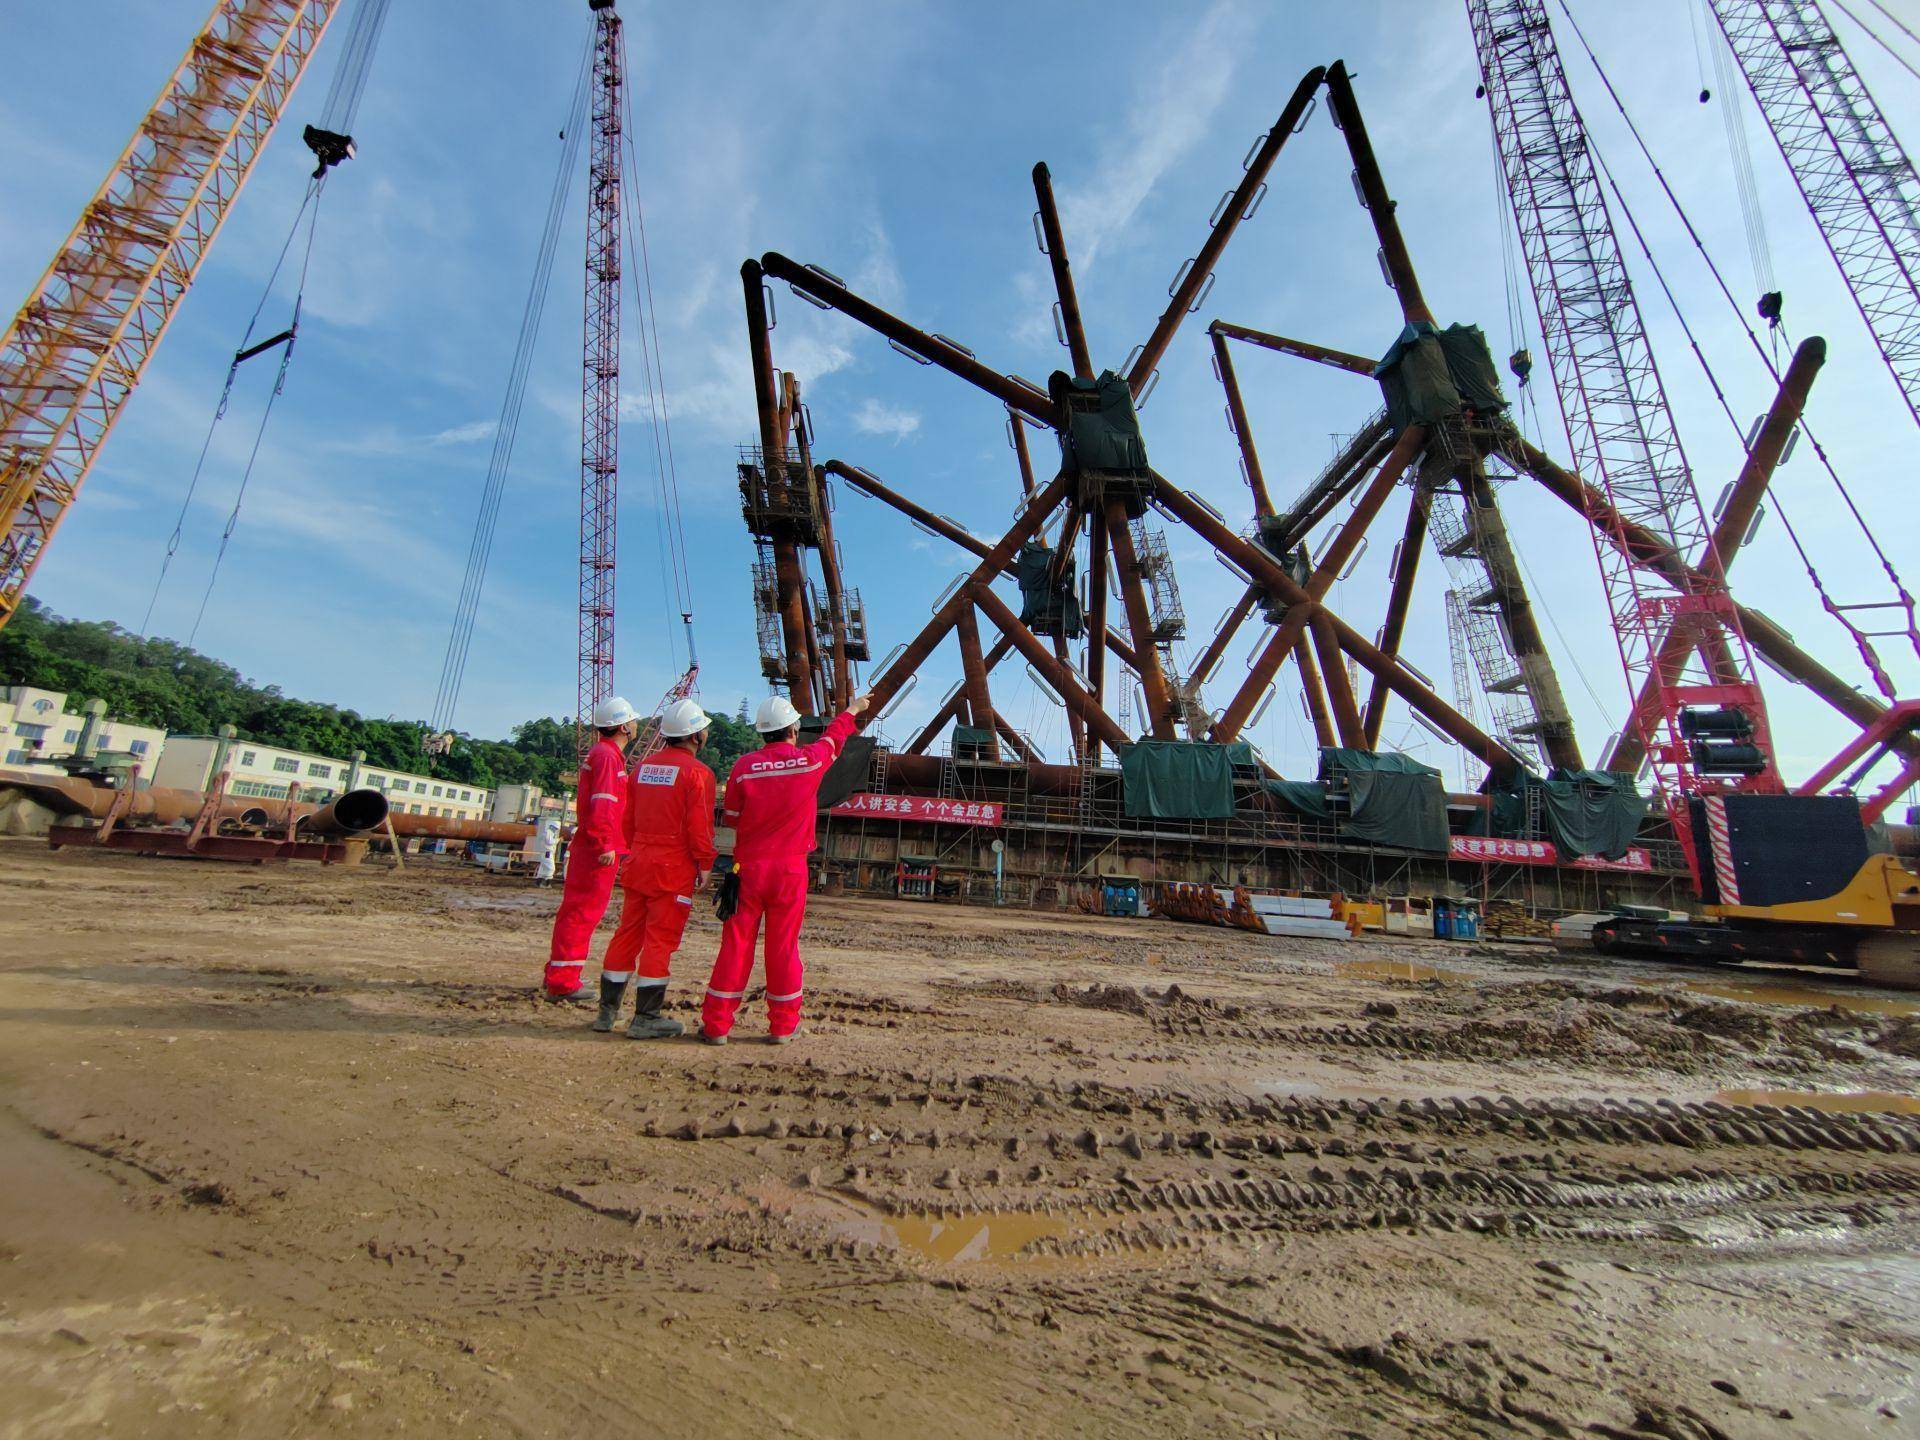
(1097, 560)
(1373, 190)
(1099, 724)
(1133, 595)
(944, 353)
(1262, 566)
(1743, 503)
(1186, 293)
(353, 813)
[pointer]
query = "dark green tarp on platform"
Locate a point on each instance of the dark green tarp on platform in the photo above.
(1393, 799)
(1429, 374)
(1178, 779)
(1104, 436)
(1592, 812)
(1307, 797)
(1586, 812)
(970, 741)
(1044, 609)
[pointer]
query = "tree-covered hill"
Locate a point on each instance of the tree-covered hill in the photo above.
(158, 682)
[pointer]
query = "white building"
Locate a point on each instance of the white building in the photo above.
(192, 762)
(530, 803)
(37, 728)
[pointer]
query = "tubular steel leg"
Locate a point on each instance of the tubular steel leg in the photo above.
(1489, 529)
(1098, 722)
(1315, 691)
(1237, 417)
(1743, 502)
(1245, 197)
(1262, 566)
(1373, 189)
(915, 653)
(974, 666)
(1133, 595)
(1419, 508)
(1062, 274)
(1096, 618)
(956, 706)
(840, 688)
(1293, 626)
(1333, 669)
(1076, 728)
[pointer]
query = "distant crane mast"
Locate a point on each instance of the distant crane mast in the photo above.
(1852, 172)
(82, 339)
(600, 374)
(1618, 420)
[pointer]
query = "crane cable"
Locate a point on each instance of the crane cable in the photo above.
(1905, 601)
(337, 114)
(1880, 39)
(670, 526)
(453, 668)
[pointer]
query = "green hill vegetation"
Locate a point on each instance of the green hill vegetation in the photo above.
(162, 683)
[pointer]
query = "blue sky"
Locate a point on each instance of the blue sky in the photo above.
(891, 144)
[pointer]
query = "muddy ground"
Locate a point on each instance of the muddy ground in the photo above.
(294, 1151)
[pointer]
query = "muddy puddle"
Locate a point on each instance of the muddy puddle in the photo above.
(1837, 1102)
(1398, 970)
(1793, 991)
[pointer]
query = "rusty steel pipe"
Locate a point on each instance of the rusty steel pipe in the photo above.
(350, 814)
(1335, 558)
(1062, 273)
(1098, 722)
(1244, 195)
(1133, 595)
(973, 669)
(1262, 566)
(1301, 349)
(944, 353)
(1373, 190)
(1749, 487)
(1236, 617)
(1097, 560)
(1399, 600)
(1237, 417)
(1311, 686)
(952, 709)
(914, 655)
(1333, 672)
(1643, 547)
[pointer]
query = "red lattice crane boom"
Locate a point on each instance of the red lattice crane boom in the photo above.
(600, 372)
(1704, 734)
(1855, 177)
(80, 343)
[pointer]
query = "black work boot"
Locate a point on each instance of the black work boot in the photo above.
(612, 992)
(648, 1022)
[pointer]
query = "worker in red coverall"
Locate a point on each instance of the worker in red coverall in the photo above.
(669, 854)
(771, 799)
(593, 856)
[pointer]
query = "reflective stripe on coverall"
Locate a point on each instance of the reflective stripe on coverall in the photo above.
(772, 797)
(669, 844)
(601, 802)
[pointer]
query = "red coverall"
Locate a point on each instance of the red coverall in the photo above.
(600, 803)
(772, 796)
(669, 845)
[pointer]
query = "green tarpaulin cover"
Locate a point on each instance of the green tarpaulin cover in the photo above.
(1593, 812)
(970, 740)
(1178, 779)
(1586, 812)
(1045, 609)
(1103, 432)
(1393, 799)
(1307, 797)
(1429, 374)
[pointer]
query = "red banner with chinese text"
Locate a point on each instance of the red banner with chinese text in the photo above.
(1487, 849)
(924, 808)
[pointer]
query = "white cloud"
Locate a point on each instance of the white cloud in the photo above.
(470, 433)
(875, 417)
(1167, 116)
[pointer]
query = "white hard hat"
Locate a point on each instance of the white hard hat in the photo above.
(776, 713)
(684, 718)
(612, 712)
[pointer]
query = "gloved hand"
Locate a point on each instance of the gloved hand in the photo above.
(726, 896)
